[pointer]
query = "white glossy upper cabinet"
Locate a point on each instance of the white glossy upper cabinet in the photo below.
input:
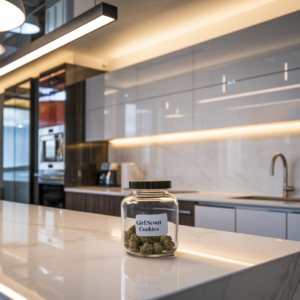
(120, 86)
(125, 120)
(94, 125)
(165, 114)
(110, 105)
(249, 52)
(293, 232)
(170, 73)
(265, 99)
(94, 92)
(218, 218)
(262, 223)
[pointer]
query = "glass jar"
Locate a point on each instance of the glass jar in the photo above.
(150, 219)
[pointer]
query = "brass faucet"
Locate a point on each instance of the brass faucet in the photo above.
(286, 188)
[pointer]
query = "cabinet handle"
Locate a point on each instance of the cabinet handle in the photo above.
(185, 212)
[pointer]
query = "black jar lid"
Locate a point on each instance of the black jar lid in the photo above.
(150, 184)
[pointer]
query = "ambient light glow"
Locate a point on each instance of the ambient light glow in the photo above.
(11, 15)
(10, 293)
(2, 49)
(61, 41)
(116, 235)
(292, 127)
(227, 260)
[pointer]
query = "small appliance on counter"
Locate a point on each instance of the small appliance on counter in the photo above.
(129, 172)
(110, 175)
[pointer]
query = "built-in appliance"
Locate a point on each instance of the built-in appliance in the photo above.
(52, 195)
(51, 166)
(51, 138)
(110, 175)
(51, 148)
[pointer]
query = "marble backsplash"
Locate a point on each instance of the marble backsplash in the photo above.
(239, 165)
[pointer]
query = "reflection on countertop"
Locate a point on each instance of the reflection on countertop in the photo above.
(220, 198)
(49, 253)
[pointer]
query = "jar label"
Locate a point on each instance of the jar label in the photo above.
(151, 225)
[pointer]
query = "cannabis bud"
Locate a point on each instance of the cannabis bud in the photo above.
(167, 243)
(146, 249)
(134, 243)
(158, 248)
(147, 239)
(147, 245)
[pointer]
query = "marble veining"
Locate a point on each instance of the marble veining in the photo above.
(49, 253)
(236, 165)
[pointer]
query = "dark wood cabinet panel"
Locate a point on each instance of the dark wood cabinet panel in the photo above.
(99, 204)
(186, 212)
(83, 161)
(111, 205)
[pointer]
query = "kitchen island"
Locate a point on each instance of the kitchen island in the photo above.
(49, 253)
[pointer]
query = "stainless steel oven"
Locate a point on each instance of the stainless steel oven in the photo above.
(52, 154)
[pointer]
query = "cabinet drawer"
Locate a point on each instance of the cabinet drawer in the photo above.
(218, 218)
(262, 223)
(293, 223)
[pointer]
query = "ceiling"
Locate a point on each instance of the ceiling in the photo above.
(147, 29)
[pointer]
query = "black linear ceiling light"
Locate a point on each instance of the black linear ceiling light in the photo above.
(99, 16)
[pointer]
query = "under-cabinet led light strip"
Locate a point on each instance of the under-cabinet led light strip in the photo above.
(10, 293)
(292, 127)
(59, 42)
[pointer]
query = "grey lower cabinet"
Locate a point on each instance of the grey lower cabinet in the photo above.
(254, 221)
(212, 217)
(293, 223)
(262, 223)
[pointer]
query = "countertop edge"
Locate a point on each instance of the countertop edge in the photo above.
(217, 199)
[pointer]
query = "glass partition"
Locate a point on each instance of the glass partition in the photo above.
(16, 142)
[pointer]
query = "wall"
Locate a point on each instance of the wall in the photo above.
(222, 165)
(250, 77)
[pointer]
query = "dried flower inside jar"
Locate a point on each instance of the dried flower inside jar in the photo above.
(147, 245)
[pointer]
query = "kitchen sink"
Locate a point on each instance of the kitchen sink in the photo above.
(271, 198)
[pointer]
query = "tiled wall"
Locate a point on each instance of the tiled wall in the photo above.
(245, 78)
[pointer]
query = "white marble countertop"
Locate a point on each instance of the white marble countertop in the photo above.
(200, 196)
(49, 253)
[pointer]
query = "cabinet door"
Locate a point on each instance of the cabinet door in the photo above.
(293, 223)
(94, 92)
(170, 73)
(262, 223)
(253, 101)
(94, 125)
(120, 86)
(218, 218)
(186, 212)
